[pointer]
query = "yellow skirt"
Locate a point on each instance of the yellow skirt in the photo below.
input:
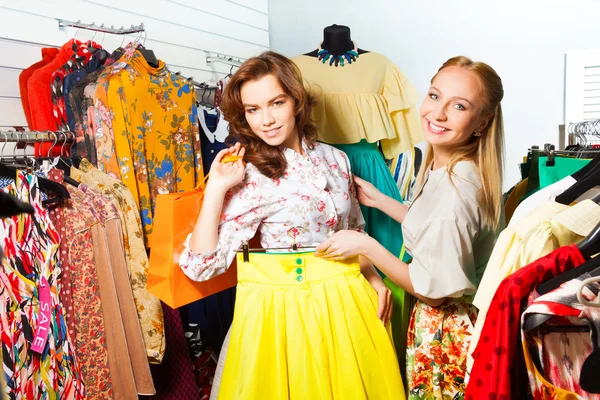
(305, 328)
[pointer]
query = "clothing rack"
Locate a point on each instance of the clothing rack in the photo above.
(223, 59)
(101, 28)
(36, 136)
(199, 85)
(549, 151)
(579, 132)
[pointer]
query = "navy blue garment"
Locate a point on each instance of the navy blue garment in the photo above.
(95, 62)
(210, 149)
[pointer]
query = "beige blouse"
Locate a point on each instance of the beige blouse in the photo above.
(446, 235)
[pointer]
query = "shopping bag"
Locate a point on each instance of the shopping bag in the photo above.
(174, 218)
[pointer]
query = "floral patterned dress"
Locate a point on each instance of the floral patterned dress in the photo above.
(31, 313)
(149, 125)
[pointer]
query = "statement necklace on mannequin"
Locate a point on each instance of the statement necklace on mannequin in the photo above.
(350, 56)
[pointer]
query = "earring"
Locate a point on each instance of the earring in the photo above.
(477, 133)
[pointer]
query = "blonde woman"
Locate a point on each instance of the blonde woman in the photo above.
(449, 229)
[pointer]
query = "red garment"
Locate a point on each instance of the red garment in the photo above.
(495, 353)
(48, 54)
(40, 96)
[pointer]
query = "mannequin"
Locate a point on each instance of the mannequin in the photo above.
(337, 40)
(370, 120)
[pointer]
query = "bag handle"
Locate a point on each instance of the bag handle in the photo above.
(225, 159)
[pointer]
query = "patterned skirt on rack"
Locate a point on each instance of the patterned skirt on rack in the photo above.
(436, 349)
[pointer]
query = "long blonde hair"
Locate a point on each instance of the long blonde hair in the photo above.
(487, 150)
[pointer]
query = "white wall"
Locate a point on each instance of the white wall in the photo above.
(178, 31)
(525, 41)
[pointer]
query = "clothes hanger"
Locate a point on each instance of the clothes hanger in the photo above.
(591, 180)
(11, 206)
(591, 266)
(583, 172)
(588, 377)
(148, 54)
(590, 246)
(292, 232)
(61, 161)
(59, 190)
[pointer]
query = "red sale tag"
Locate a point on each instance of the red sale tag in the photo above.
(42, 331)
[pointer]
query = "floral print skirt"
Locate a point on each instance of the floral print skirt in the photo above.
(436, 349)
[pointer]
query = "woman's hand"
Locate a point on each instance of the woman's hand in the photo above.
(384, 294)
(342, 245)
(227, 175)
(368, 195)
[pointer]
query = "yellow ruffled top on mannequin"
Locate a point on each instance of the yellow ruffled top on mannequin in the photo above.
(369, 99)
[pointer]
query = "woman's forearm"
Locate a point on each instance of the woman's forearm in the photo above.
(393, 268)
(393, 208)
(367, 268)
(205, 236)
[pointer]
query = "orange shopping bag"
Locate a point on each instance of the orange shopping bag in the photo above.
(174, 218)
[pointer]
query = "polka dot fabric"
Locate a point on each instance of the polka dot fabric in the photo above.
(66, 295)
(495, 353)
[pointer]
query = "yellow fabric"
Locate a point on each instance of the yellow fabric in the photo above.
(156, 139)
(370, 99)
(547, 228)
(148, 307)
(514, 199)
(307, 328)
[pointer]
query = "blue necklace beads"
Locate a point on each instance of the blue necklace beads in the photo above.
(350, 56)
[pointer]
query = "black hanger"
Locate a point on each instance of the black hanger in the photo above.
(11, 206)
(588, 377)
(76, 160)
(246, 251)
(149, 56)
(591, 180)
(45, 184)
(591, 166)
(292, 232)
(591, 244)
(554, 283)
(592, 266)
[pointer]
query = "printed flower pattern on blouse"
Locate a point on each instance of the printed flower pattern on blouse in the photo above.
(89, 321)
(149, 309)
(314, 198)
(155, 140)
(81, 57)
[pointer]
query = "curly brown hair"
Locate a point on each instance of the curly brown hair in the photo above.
(269, 160)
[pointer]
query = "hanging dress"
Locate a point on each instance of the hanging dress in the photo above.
(39, 360)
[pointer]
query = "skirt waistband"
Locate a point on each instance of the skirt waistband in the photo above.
(291, 269)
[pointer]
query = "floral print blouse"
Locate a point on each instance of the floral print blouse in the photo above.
(149, 130)
(314, 198)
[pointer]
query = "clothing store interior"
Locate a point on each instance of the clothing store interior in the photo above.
(278, 199)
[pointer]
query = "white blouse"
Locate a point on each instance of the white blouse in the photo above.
(445, 233)
(314, 199)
